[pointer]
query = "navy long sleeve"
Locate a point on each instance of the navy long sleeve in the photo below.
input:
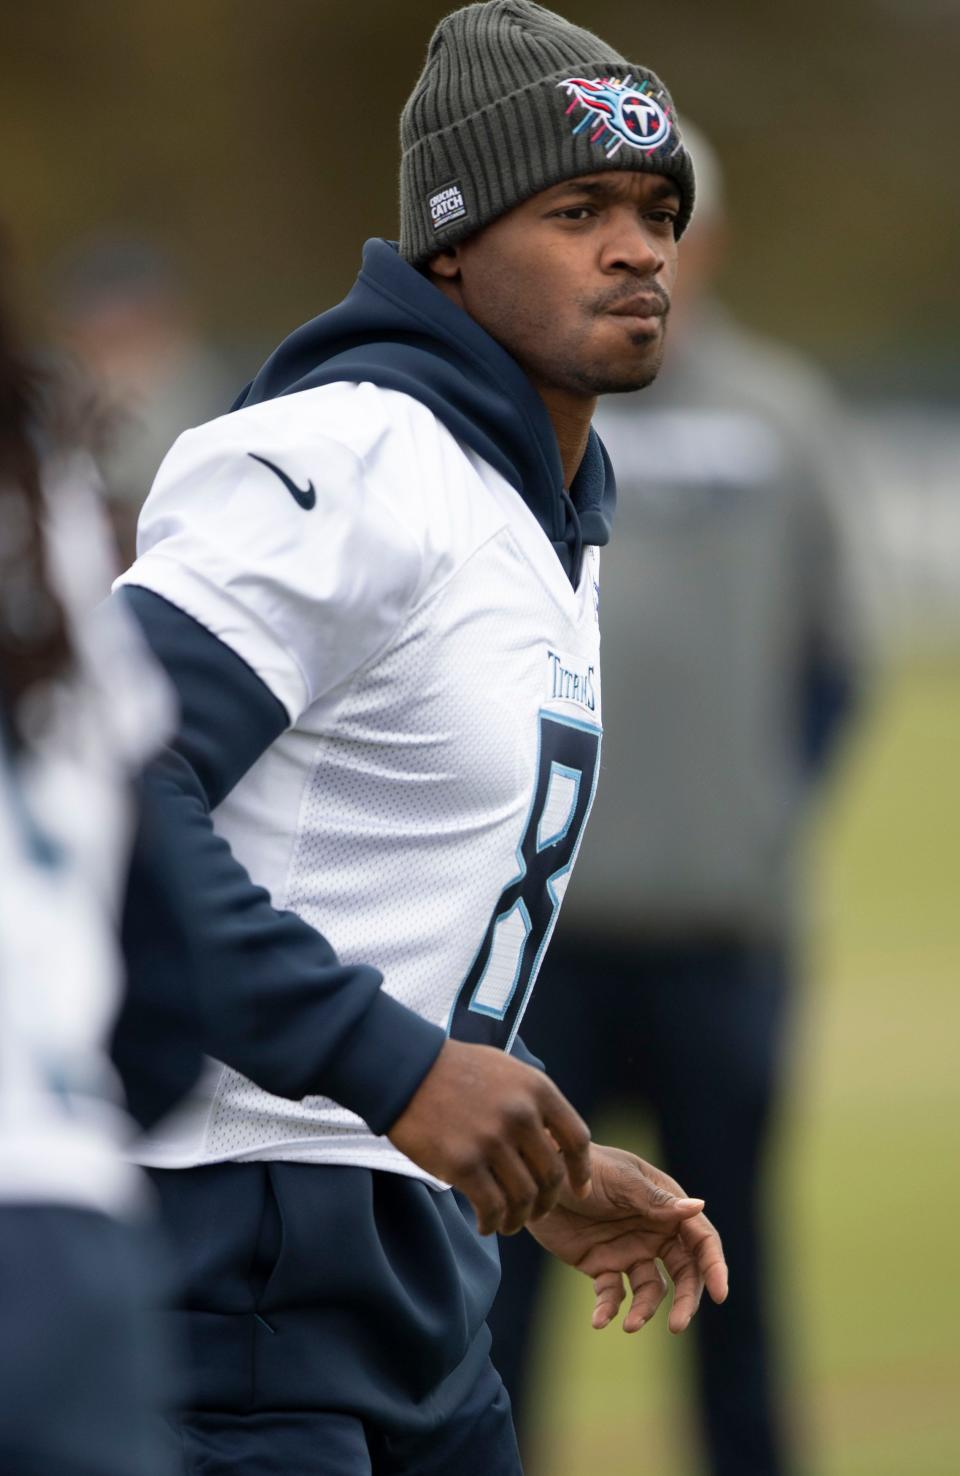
(156, 1038)
(274, 1001)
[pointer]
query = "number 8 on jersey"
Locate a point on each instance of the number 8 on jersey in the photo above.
(494, 993)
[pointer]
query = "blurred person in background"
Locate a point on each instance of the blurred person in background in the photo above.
(732, 659)
(82, 1368)
(126, 314)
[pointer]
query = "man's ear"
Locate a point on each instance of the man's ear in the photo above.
(445, 264)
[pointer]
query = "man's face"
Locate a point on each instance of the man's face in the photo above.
(575, 283)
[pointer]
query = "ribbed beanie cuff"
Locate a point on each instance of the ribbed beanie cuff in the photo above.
(514, 99)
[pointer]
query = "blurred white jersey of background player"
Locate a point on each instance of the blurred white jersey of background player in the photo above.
(81, 1366)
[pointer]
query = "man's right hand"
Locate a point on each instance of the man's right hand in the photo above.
(497, 1130)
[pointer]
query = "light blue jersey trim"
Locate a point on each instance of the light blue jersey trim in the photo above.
(576, 775)
(482, 1009)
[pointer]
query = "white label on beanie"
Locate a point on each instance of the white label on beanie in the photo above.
(446, 205)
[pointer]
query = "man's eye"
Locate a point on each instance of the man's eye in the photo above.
(662, 217)
(576, 212)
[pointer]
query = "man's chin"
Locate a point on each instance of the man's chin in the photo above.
(624, 384)
(638, 383)
(606, 379)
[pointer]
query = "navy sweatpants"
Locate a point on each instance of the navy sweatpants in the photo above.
(335, 1321)
(693, 1033)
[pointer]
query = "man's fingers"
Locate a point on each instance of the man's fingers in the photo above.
(695, 1260)
(519, 1188)
(608, 1290)
(487, 1198)
(702, 1240)
(572, 1137)
(649, 1288)
(630, 1188)
(660, 1203)
(545, 1163)
(687, 1288)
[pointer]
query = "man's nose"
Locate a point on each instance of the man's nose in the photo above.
(631, 248)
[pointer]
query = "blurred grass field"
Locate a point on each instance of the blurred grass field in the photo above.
(869, 1198)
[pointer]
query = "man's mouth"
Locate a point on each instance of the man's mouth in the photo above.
(642, 309)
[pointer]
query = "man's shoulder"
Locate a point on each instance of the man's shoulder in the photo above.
(300, 514)
(362, 418)
(355, 444)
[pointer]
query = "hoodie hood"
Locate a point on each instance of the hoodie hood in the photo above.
(395, 330)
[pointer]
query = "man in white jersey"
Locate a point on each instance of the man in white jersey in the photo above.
(374, 585)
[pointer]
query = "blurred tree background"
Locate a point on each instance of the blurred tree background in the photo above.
(259, 141)
(256, 140)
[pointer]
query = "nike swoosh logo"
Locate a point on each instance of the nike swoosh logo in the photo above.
(305, 497)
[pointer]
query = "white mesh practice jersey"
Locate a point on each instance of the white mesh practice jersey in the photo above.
(424, 808)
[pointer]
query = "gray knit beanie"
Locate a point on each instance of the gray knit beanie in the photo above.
(514, 99)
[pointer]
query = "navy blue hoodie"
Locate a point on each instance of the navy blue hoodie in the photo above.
(276, 1003)
(395, 330)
